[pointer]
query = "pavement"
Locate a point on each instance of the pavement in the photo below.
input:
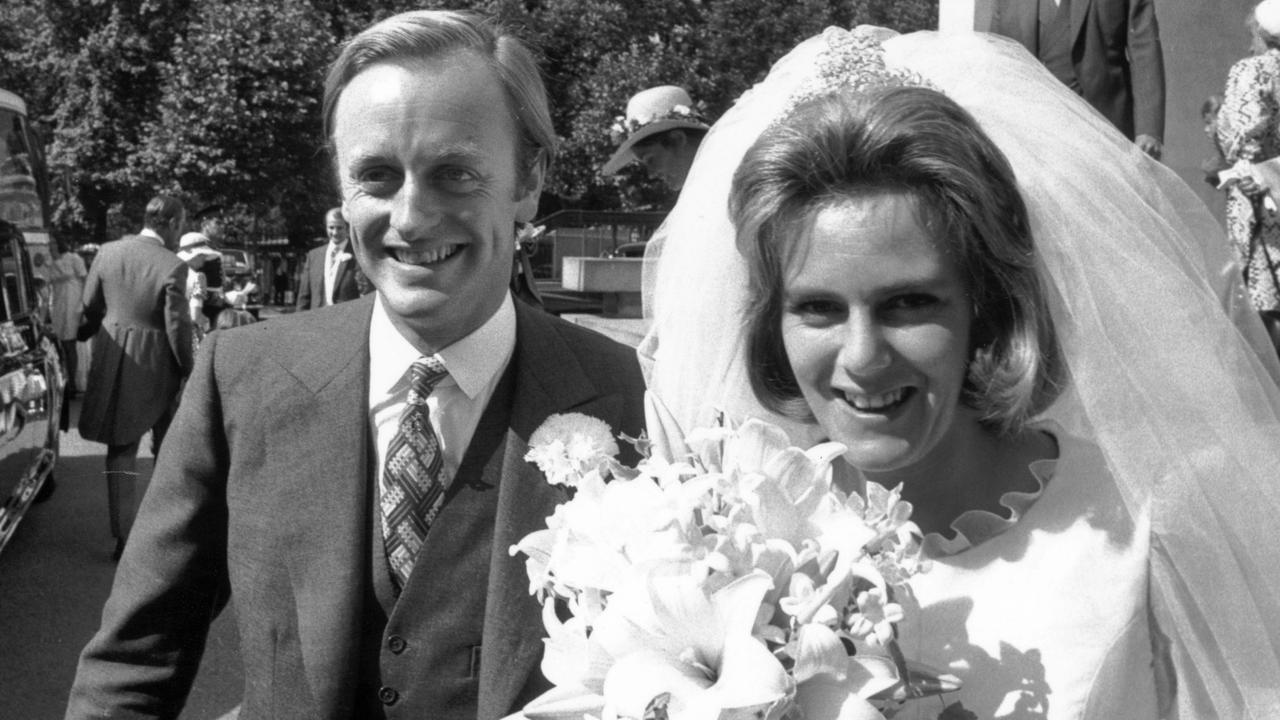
(55, 575)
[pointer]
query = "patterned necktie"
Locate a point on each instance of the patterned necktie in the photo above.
(412, 483)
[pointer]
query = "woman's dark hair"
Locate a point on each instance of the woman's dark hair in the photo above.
(919, 142)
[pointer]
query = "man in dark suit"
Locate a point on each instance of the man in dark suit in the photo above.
(331, 275)
(354, 476)
(1106, 50)
(135, 310)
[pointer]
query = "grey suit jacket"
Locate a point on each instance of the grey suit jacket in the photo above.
(1116, 52)
(263, 490)
(136, 296)
(311, 286)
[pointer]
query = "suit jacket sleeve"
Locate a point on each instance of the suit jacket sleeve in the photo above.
(93, 305)
(303, 301)
(177, 316)
(1146, 62)
(172, 580)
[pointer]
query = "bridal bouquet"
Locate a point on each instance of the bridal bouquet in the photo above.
(728, 580)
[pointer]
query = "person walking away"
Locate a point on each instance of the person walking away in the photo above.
(67, 274)
(136, 311)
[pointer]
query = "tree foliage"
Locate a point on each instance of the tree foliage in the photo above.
(238, 121)
(219, 100)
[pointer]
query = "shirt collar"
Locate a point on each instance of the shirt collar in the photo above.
(153, 235)
(472, 361)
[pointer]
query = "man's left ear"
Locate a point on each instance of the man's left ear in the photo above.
(530, 189)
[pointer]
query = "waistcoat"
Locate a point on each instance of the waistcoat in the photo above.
(420, 653)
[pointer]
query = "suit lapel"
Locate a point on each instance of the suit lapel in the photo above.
(316, 269)
(1079, 11)
(329, 562)
(549, 379)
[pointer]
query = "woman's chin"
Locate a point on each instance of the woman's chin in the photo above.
(878, 455)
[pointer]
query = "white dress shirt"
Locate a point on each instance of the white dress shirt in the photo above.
(475, 364)
(331, 262)
(152, 235)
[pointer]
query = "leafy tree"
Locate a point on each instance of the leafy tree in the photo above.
(238, 122)
(219, 99)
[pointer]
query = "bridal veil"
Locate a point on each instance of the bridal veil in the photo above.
(1171, 374)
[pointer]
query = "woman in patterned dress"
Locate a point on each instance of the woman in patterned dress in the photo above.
(1249, 131)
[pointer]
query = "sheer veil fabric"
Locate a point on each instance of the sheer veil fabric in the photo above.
(1171, 374)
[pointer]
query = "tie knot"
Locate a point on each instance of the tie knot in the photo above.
(425, 373)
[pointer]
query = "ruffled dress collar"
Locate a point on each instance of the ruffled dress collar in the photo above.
(974, 527)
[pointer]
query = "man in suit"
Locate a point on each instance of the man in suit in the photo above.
(290, 479)
(135, 309)
(331, 275)
(1106, 50)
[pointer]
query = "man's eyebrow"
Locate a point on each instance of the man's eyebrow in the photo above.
(456, 151)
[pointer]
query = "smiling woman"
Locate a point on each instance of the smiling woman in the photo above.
(878, 246)
(888, 301)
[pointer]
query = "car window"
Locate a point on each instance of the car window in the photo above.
(12, 280)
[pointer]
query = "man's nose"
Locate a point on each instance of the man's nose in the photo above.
(415, 209)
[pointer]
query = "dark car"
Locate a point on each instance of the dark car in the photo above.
(32, 381)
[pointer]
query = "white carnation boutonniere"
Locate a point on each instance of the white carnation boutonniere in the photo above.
(568, 447)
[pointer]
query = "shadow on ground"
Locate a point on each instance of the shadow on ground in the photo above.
(55, 576)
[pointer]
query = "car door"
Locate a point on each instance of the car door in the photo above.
(31, 383)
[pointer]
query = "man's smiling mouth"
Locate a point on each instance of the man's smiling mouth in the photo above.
(424, 257)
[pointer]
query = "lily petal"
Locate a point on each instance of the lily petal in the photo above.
(564, 703)
(824, 698)
(819, 651)
(750, 676)
(635, 680)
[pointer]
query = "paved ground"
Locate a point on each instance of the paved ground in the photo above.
(55, 575)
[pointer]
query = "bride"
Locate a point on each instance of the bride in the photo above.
(927, 249)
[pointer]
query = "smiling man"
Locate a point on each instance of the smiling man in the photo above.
(353, 476)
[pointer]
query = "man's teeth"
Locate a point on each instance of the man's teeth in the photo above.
(426, 257)
(875, 402)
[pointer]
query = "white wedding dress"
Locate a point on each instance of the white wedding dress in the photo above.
(1153, 529)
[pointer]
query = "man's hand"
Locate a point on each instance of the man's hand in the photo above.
(1150, 146)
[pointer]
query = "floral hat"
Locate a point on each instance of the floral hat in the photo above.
(1267, 15)
(192, 244)
(649, 112)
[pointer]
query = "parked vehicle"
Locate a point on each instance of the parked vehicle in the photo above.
(32, 379)
(32, 383)
(24, 177)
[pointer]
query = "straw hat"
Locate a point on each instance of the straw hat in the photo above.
(649, 112)
(1267, 15)
(194, 243)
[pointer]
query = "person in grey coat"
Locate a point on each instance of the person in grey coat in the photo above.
(135, 310)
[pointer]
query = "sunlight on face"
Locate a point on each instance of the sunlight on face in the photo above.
(427, 160)
(876, 326)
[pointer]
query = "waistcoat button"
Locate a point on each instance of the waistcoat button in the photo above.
(388, 695)
(396, 644)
